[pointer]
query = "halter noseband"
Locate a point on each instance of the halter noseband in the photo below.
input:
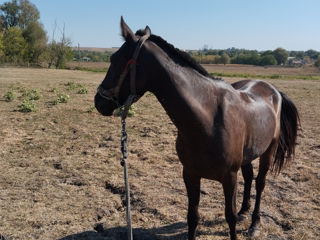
(112, 94)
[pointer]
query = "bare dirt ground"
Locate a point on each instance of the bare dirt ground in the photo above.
(60, 176)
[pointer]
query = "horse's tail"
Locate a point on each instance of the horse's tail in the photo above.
(289, 125)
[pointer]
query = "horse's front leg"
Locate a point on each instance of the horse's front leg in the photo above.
(230, 188)
(193, 189)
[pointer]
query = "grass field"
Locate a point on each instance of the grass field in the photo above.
(61, 177)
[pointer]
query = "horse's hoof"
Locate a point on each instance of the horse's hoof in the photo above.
(254, 232)
(242, 217)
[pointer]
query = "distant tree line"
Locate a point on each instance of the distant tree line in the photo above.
(92, 56)
(278, 56)
(24, 40)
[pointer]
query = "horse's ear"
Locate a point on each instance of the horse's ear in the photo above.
(147, 31)
(126, 32)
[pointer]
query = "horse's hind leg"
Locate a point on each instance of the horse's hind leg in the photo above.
(230, 188)
(264, 165)
(247, 172)
(193, 189)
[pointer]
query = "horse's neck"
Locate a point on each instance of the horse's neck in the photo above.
(188, 97)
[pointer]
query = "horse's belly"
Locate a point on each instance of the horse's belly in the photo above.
(257, 144)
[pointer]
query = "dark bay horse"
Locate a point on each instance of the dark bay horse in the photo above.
(221, 127)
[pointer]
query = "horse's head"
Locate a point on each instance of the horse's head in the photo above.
(124, 77)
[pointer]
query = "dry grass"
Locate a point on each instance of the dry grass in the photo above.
(267, 70)
(61, 177)
(90, 65)
(229, 69)
(93, 49)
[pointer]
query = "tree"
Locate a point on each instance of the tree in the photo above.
(24, 16)
(14, 45)
(317, 63)
(225, 59)
(281, 55)
(18, 13)
(266, 53)
(59, 52)
(307, 59)
(1, 46)
(268, 60)
(29, 14)
(312, 54)
(9, 14)
(1, 23)
(297, 54)
(36, 39)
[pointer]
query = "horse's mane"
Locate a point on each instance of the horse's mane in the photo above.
(181, 57)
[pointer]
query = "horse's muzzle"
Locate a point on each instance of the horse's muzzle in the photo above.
(104, 106)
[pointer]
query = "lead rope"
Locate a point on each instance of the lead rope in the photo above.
(124, 137)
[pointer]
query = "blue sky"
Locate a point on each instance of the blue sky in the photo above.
(190, 24)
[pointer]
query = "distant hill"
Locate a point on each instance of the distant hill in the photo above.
(94, 49)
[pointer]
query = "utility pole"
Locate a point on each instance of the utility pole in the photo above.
(79, 57)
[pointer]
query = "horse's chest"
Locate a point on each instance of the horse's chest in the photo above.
(200, 157)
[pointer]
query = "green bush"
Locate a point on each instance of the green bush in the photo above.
(10, 96)
(70, 86)
(131, 111)
(82, 90)
(56, 101)
(27, 106)
(62, 98)
(91, 109)
(33, 94)
(53, 90)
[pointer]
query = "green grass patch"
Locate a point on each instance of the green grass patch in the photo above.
(91, 109)
(131, 111)
(96, 70)
(27, 106)
(33, 94)
(53, 90)
(83, 90)
(10, 96)
(71, 86)
(273, 76)
(61, 98)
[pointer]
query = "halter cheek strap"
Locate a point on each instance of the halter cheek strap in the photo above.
(113, 93)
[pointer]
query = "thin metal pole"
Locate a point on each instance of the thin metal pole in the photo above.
(128, 212)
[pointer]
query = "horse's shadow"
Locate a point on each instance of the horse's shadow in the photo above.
(175, 231)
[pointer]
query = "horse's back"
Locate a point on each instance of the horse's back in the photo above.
(257, 90)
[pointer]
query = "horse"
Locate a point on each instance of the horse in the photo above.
(221, 127)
